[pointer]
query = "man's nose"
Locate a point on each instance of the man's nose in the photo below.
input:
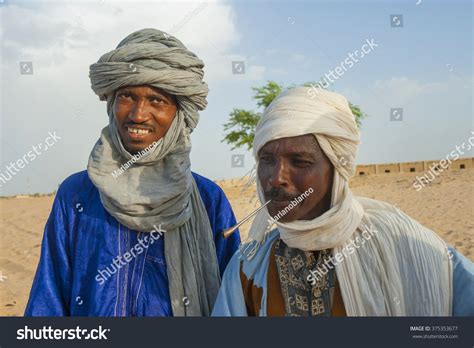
(138, 112)
(280, 175)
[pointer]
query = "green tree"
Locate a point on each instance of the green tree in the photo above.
(240, 129)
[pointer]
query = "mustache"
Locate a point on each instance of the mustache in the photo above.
(139, 126)
(278, 194)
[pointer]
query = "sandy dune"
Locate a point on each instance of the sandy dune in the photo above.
(446, 206)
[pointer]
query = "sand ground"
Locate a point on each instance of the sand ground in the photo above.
(446, 206)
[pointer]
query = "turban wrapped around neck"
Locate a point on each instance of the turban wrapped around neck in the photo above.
(158, 189)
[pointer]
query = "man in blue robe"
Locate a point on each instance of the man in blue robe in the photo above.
(138, 233)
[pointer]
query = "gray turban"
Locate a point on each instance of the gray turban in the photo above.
(152, 57)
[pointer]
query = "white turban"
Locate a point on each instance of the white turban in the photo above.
(330, 119)
(404, 268)
(327, 116)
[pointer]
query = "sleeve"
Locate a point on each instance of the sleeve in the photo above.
(50, 292)
(230, 300)
(463, 285)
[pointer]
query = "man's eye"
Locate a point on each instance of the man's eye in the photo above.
(157, 101)
(265, 159)
(301, 163)
(125, 96)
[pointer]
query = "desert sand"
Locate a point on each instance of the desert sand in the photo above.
(446, 206)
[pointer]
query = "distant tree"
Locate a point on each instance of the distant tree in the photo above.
(240, 129)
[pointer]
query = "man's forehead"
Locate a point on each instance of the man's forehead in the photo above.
(148, 90)
(306, 143)
(137, 87)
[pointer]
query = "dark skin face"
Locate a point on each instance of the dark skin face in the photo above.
(287, 167)
(143, 115)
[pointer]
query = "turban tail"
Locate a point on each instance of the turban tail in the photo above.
(404, 269)
(158, 189)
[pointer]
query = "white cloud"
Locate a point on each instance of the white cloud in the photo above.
(63, 40)
(271, 51)
(298, 58)
(53, 30)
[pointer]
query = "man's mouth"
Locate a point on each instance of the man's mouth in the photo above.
(279, 203)
(137, 132)
(277, 197)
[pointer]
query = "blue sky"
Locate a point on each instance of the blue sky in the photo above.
(424, 67)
